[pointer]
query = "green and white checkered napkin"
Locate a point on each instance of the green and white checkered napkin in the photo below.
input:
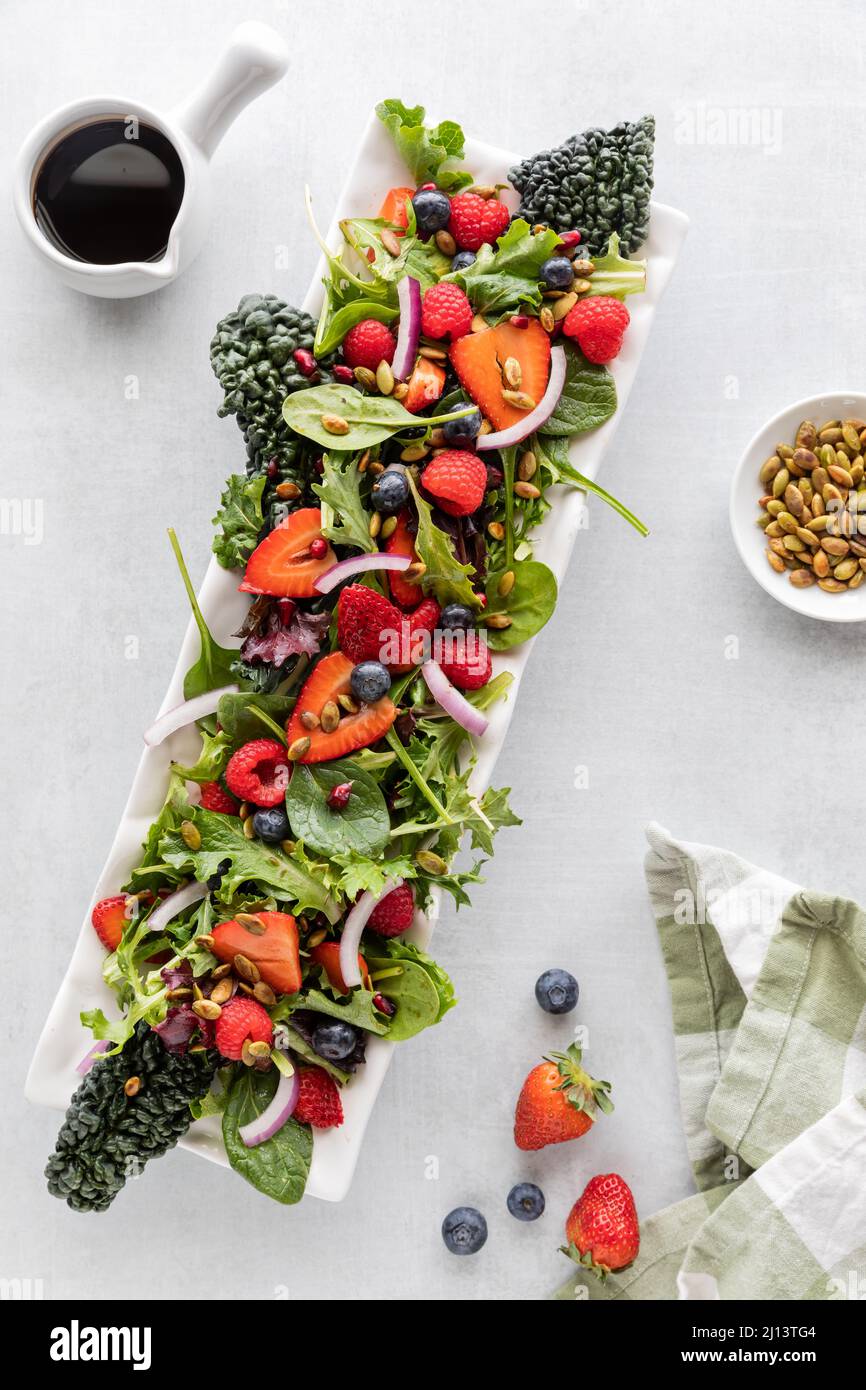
(768, 991)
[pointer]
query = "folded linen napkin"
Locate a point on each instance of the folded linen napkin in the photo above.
(768, 993)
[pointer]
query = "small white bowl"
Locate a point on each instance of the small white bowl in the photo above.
(746, 490)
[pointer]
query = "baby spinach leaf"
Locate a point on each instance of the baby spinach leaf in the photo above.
(588, 397)
(214, 667)
(222, 838)
(552, 455)
(239, 520)
(425, 150)
(279, 1167)
(402, 951)
(415, 995)
(503, 278)
(241, 724)
(448, 579)
(370, 418)
(529, 604)
(358, 1009)
(340, 489)
(364, 823)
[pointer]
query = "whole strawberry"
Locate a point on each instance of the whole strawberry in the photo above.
(318, 1102)
(602, 1229)
(599, 325)
(457, 480)
(476, 220)
(364, 620)
(558, 1101)
(446, 312)
(368, 344)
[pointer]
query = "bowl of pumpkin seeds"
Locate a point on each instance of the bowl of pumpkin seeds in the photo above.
(798, 507)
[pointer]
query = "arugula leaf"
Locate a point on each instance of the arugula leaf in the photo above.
(216, 750)
(280, 1166)
(444, 574)
(239, 519)
(421, 259)
(222, 838)
(615, 275)
(214, 667)
(425, 150)
(552, 455)
(152, 872)
(340, 489)
(588, 396)
(370, 418)
(503, 278)
(362, 826)
(529, 604)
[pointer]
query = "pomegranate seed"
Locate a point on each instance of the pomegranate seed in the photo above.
(344, 374)
(426, 187)
(318, 548)
(519, 320)
(482, 599)
(338, 797)
(306, 362)
(384, 1005)
(494, 476)
(286, 610)
(273, 468)
(319, 466)
(570, 238)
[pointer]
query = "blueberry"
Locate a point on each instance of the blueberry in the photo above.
(462, 260)
(456, 615)
(334, 1040)
(526, 1201)
(556, 991)
(465, 428)
(464, 1231)
(272, 825)
(390, 491)
(432, 210)
(369, 681)
(557, 273)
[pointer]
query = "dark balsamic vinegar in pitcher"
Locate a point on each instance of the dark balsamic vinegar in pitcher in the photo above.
(109, 192)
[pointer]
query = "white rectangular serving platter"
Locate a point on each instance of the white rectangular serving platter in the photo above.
(52, 1077)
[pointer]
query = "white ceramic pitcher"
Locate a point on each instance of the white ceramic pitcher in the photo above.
(254, 58)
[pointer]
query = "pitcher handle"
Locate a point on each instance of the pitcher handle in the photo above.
(254, 58)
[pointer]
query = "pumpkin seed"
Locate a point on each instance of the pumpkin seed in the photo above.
(818, 524)
(389, 526)
(770, 468)
(250, 923)
(385, 378)
(411, 454)
(526, 466)
(856, 579)
(206, 941)
(431, 863)
(264, 994)
(583, 267)
(330, 717)
(391, 242)
(287, 846)
(497, 621)
(775, 505)
(415, 570)
(132, 1086)
(206, 1008)
(851, 436)
(794, 500)
(840, 475)
(830, 586)
(566, 304)
(526, 490)
(298, 748)
(433, 354)
(479, 324)
(830, 435)
(801, 579)
(401, 391)
(246, 969)
(807, 435)
(317, 937)
(309, 719)
(512, 373)
(787, 522)
(222, 991)
(506, 584)
(546, 319)
(445, 241)
(808, 536)
(179, 993)
(367, 379)
(348, 703)
(519, 399)
(375, 523)
(249, 829)
(845, 569)
(775, 563)
(190, 835)
(834, 546)
(287, 491)
(496, 530)
(793, 543)
(334, 424)
(220, 971)
(821, 564)
(780, 482)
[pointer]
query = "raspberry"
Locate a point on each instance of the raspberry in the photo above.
(363, 616)
(446, 312)
(458, 481)
(318, 1101)
(259, 772)
(368, 343)
(394, 913)
(598, 324)
(242, 1019)
(215, 798)
(472, 670)
(476, 220)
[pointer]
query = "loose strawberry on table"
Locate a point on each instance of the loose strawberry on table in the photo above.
(602, 1227)
(558, 1101)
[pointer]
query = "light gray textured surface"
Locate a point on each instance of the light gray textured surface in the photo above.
(682, 689)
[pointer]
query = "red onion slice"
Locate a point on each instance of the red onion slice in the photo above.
(176, 903)
(451, 700)
(504, 439)
(409, 300)
(353, 929)
(274, 1116)
(90, 1057)
(359, 564)
(184, 714)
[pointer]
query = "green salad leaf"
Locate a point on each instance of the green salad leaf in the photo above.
(214, 667)
(239, 520)
(280, 1166)
(216, 749)
(444, 574)
(339, 314)
(615, 275)
(423, 993)
(370, 418)
(529, 604)
(360, 874)
(358, 1008)
(421, 259)
(505, 277)
(362, 826)
(428, 151)
(241, 724)
(340, 489)
(222, 838)
(588, 396)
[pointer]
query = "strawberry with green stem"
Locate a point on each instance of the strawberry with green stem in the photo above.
(558, 1101)
(602, 1229)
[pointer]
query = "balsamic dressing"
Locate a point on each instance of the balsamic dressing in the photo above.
(104, 198)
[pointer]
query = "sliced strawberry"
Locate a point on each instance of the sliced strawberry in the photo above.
(282, 564)
(425, 385)
(327, 953)
(274, 951)
(393, 208)
(330, 680)
(478, 359)
(416, 634)
(109, 917)
(402, 542)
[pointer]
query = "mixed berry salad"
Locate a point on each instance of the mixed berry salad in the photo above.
(401, 452)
